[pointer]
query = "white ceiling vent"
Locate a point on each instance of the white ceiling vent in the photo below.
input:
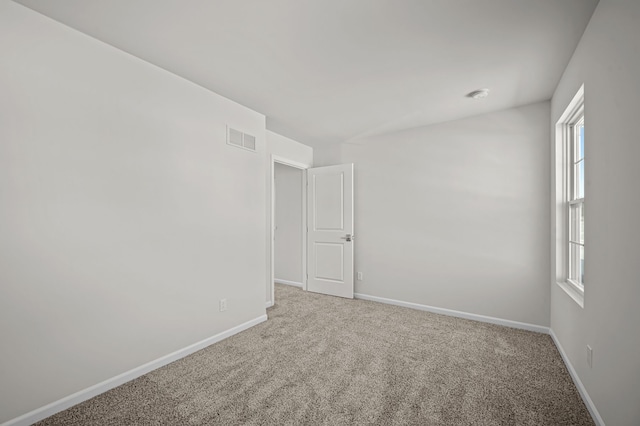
(240, 139)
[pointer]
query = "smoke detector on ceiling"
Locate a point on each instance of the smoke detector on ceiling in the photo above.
(479, 94)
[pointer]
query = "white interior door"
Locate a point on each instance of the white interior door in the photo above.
(330, 230)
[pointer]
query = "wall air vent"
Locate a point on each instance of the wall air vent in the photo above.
(240, 139)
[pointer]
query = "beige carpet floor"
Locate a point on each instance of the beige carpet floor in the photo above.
(321, 360)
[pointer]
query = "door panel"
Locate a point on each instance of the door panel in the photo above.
(329, 195)
(330, 230)
(330, 261)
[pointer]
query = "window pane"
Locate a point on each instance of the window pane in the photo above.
(573, 261)
(578, 174)
(576, 263)
(580, 141)
(581, 223)
(574, 220)
(581, 264)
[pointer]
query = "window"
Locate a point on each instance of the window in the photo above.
(575, 203)
(570, 199)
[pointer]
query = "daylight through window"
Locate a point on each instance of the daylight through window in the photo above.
(575, 202)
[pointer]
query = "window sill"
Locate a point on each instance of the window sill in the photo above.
(573, 293)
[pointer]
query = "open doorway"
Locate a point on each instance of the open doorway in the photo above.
(288, 241)
(328, 193)
(292, 175)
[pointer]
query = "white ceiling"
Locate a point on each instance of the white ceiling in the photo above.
(327, 71)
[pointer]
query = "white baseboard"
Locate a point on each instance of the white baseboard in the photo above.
(85, 394)
(576, 380)
(293, 283)
(269, 304)
(452, 313)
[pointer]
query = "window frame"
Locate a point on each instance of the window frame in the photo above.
(565, 197)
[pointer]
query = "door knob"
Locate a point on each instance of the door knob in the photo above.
(348, 237)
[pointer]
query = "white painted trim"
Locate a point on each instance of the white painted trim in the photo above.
(452, 313)
(293, 283)
(305, 228)
(575, 107)
(269, 304)
(573, 292)
(85, 394)
(287, 162)
(576, 380)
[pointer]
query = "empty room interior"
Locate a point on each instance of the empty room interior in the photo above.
(320, 212)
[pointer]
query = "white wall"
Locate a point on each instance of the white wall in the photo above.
(327, 156)
(288, 220)
(456, 215)
(607, 61)
(124, 215)
(282, 149)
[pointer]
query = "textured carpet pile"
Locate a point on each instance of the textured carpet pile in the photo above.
(322, 360)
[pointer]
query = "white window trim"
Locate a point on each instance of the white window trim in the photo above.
(563, 138)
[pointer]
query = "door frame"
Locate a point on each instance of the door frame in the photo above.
(301, 166)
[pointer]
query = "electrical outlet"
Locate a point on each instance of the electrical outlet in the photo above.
(359, 276)
(589, 356)
(223, 305)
